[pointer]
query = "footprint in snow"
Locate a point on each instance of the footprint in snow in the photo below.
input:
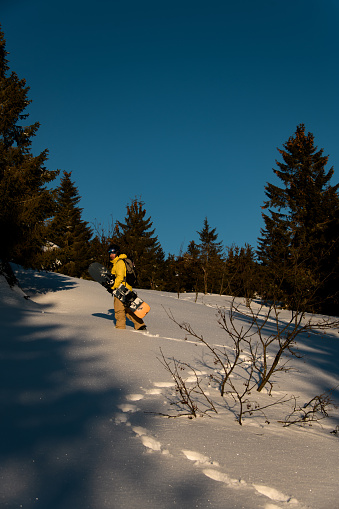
(149, 442)
(153, 445)
(163, 384)
(219, 476)
(199, 459)
(134, 397)
(121, 419)
(271, 506)
(216, 475)
(153, 391)
(274, 494)
(139, 430)
(127, 408)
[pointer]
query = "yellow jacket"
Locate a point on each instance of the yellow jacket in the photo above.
(119, 271)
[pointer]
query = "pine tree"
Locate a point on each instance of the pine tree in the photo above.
(301, 229)
(25, 203)
(69, 232)
(139, 242)
(211, 258)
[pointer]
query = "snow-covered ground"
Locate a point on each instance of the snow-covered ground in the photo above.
(81, 402)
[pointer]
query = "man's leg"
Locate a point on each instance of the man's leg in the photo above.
(138, 322)
(120, 314)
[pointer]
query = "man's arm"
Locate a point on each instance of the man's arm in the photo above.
(120, 270)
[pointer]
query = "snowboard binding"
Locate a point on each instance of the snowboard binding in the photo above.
(125, 295)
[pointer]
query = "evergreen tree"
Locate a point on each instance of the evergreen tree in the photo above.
(175, 274)
(301, 229)
(193, 266)
(242, 272)
(139, 242)
(69, 232)
(328, 293)
(211, 258)
(170, 274)
(101, 242)
(25, 203)
(184, 272)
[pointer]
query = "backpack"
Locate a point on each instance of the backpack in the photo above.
(131, 275)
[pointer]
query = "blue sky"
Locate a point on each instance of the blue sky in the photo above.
(181, 104)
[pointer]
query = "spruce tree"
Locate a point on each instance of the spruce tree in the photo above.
(170, 273)
(242, 272)
(184, 272)
(101, 241)
(25, 203)
(175, 274)
(211, 258)
(137, 239)
(301, 228)
(69, 232)
(193, 266)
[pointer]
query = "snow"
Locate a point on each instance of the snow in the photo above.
(83, 404)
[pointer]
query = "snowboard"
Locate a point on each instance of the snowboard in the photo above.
(130, 298)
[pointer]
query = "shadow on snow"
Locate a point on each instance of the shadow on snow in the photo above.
(60, 447)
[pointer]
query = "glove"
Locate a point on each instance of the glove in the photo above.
(108, 285)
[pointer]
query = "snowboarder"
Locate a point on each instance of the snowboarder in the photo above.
(119, 275)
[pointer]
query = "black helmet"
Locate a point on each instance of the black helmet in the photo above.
(114, 248)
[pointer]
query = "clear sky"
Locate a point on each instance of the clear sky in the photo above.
(181, 103)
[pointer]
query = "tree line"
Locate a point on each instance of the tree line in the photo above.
(296, 262)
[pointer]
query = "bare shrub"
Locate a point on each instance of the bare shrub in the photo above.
(314, 410)
(187, 394)
(246, 366)
(235, 371)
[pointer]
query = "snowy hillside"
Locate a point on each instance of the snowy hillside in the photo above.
(83, 405)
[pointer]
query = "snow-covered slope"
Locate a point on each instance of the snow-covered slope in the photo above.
(81, 406)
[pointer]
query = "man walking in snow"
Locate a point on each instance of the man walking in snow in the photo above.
(119, 274)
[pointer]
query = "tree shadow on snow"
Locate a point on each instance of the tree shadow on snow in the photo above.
(32, 282)
(60, 445)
